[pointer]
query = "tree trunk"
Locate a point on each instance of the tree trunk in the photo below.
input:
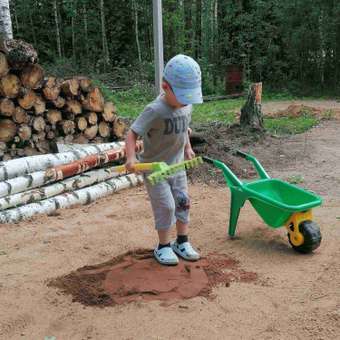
(59, 102)
(20, 116)
(5, 21)
(73, 18)
(39, 105)
(85, 84)
(135, 9)
(104, 39)
(91, 132)
(104, 129)
(39, 124)
(29, 10)
(251, 112)
(32, 76)
(8, 130)
(51, 89)
(109, 113)
(56, 20)
(92, 118)
(73, 106)
(94, 101)
(4, 69)
(17, 167)
(28, 100)
(25, 132)
(86, 33)
(119, 127)
(10, 86)
(66, 200)
(70, 184)
(70, 87)
(54, 116)
(43, 177)
(81, 123)
(100, 147)
(7, 107)
(68, 127)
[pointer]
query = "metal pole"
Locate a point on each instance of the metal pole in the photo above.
(158, 43)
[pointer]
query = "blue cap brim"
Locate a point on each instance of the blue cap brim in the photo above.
(188, 96)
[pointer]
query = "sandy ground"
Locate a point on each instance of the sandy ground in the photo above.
(295, 297)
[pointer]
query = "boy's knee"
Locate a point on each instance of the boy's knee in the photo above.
(182, 201)
(169, 208)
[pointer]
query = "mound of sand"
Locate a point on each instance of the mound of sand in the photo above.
(298, 110)
(137, 276)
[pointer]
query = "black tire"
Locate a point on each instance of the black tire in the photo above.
(312, 237)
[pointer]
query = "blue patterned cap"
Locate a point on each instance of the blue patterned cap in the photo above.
(184, 76)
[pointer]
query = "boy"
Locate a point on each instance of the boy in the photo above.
(164, 125)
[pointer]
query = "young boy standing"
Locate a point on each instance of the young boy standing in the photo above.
(164, 125)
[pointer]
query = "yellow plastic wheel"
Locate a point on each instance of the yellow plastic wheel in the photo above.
(311, 236)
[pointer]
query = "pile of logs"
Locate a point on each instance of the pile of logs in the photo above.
(46, 183)
(38, 111)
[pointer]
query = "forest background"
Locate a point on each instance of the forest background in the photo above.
(291, 46)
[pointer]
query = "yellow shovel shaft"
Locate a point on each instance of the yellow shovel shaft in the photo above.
(137, 167)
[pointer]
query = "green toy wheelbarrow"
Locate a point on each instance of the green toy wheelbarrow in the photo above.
(277, 202)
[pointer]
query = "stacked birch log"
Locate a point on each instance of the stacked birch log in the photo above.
(37, 111)
(43, 184)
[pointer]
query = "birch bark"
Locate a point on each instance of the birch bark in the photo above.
(67, 200)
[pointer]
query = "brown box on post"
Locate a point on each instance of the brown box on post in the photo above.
(234, 79)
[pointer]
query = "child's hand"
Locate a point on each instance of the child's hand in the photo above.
(189, 153)
(130, 164)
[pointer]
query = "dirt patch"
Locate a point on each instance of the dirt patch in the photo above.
(136, 276)
(220, 141)
(300, 110)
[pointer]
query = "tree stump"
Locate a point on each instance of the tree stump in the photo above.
(251, 112)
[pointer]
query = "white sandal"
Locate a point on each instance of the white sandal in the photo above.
(166, 256)
(185, 250)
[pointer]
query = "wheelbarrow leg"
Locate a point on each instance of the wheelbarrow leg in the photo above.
(237, 202)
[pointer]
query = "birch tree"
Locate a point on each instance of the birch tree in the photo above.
(5, 21)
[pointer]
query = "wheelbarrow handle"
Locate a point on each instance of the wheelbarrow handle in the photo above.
(208, 160)
(241, 154)
(259, 168)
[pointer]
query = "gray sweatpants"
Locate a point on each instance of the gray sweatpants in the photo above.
(169, 200)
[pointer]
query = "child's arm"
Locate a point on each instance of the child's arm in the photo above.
(188, 151)
(130, 145)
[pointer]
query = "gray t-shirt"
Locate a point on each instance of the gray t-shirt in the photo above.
(164, 131)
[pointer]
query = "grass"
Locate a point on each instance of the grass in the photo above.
(131, 102)
(290, 125)
(222, 110)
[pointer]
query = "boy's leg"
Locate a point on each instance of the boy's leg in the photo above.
(182, 246)
(164, 236)
(163, 207)
(182, 228)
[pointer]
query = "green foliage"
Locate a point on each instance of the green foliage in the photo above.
(292, 46)
(222, 110)
(290, 125)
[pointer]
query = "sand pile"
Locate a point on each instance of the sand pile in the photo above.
(136, 276)
(298, 110)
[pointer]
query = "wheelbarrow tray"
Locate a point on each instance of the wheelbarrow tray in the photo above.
(276, 200)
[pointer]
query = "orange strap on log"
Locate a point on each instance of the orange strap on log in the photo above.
(67, 170)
